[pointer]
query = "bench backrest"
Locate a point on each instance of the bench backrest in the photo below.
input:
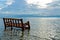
(9, 22)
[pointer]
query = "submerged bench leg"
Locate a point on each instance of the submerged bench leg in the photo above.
(11, 28)
(5, 28)
(22, 29)
(28, 25)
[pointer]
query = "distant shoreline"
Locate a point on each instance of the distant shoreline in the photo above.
(30, 17)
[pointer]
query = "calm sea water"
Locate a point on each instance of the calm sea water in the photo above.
(41, 29)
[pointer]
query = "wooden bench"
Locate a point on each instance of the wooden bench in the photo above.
(18, 23)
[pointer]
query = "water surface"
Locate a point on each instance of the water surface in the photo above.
(41, 29)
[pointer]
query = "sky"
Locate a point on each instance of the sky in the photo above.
(30, 7)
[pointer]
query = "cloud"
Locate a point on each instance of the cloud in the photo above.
(9, 2)
(34, 7)
(38, 3)
(54, 4)
(5, 3)
(0, 8)
(5, 12)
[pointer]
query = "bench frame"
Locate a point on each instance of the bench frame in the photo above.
(18, 23)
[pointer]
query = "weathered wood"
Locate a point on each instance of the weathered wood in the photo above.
(11, 22)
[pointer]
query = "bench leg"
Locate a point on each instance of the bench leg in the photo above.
(28, 25)
(11, 28)
(5, 28)
(22, 29)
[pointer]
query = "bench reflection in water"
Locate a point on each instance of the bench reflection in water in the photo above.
(15, 35)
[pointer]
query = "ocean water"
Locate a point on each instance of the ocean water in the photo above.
(41, 29)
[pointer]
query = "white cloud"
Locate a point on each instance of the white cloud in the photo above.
(5, 3)
(0, 8)
(39, 3)
(6, 12)
(9, 2)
